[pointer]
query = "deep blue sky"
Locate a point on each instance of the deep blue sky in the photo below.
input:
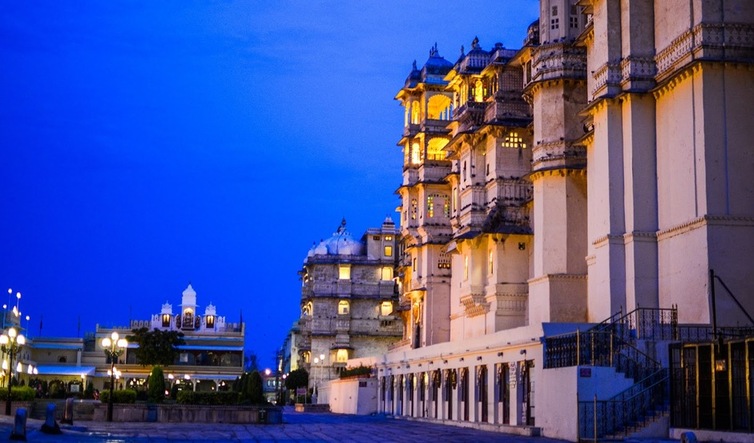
(146, 145)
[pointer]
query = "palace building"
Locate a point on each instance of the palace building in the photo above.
(567, 210)
(348, 303)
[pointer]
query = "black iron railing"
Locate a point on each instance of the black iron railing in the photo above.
(625, 412)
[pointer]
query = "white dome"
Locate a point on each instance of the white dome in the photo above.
(340, 243)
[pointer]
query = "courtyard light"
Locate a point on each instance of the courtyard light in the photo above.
(114, 346)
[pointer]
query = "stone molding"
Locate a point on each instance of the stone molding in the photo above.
(707, 220)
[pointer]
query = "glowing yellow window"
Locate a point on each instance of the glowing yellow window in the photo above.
(341, 356)
(344, 272)
(388, 251)
(430, 206)
(343, 307)
(386, 308)
(387, 273)
(491, 260)
(466, 267)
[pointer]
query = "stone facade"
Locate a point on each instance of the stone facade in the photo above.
(599, 170)
(348, 303)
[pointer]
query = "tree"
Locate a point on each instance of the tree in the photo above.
(156, 385)
(256, 388)
(297, 379)
(251, 362)
(156, 347)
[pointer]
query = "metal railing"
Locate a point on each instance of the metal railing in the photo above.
(626, 411)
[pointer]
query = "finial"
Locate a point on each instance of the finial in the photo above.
(463, 50)
(415, 68)
(475, 43)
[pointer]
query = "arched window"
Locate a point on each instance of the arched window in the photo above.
(306, 310)
(478, 91)
(387, 271)
(415, 113)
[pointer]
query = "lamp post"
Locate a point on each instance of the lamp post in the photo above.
(10, 342)
(113, 347)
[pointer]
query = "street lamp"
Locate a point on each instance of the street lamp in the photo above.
(10, 342)
(113, 347)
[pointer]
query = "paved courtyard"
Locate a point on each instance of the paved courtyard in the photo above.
(296, 427)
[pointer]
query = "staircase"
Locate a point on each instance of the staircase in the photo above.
(615, 343)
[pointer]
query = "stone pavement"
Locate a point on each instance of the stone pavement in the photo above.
(296, 427)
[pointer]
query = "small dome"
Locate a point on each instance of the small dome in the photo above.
(340, 243)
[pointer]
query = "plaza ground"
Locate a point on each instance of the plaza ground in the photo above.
(296, 427)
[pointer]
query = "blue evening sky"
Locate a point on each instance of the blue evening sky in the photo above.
(145, 145)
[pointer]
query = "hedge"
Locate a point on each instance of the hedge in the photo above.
(18, 393)
(119, 396)
(186, 397)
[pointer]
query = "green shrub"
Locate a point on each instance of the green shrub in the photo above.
(156, 385)
(360, 370)
(186, 397)
(18, 393)
(119, 396)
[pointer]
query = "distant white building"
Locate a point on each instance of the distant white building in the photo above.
(348, 303)
(211, 359)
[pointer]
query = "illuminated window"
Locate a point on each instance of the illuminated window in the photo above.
(478, 91)
(446, 208)
(415, 113)
(165, 320)
(413, 209)
(466, 267)
(344, 272)
(343, 307)
(386, 272)
(307, 309)
(430, 206)
(491, 260)
(209, 321)
(388, 251)
(307, 356)
(388, 238)
(341, 356)
(513, 140)
(415, 153)
(454, 201)
(386, 308)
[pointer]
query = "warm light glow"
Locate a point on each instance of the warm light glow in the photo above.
(342, 356)
(18, 295)
(36, 371)
(21, 340)
(3, 339)
(344, 272)
(19, 367)
(106, 342)
(30, 370)
(12, 332)
(187, 377)
(114, 336)
(316, 360)
(267, 371)
(170, 376)
(5, 365)
(122, 343)
(322, 357)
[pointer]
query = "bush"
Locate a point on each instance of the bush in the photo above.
(358, 371)
(18, 393)
(119, 396)
(186, 397)
(156, 385)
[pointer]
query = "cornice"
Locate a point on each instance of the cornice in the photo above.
(707, 220)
